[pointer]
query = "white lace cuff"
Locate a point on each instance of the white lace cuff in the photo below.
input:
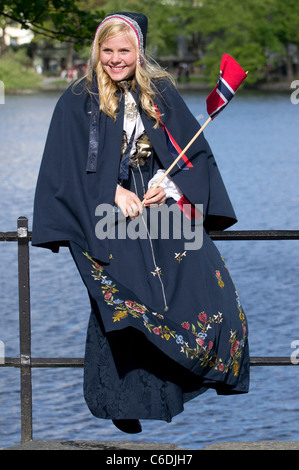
(169, 186)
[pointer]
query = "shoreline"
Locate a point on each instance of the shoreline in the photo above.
(55, 85)
(279, 87)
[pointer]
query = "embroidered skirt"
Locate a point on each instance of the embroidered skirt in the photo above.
(166, 322)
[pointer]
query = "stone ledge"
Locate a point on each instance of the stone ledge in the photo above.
(92, 445)
(262, 445)
(149, 446)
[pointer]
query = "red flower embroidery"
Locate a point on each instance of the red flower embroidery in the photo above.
(200, 341)
(186, 325)
(202, 317)
(234, 348)
(135, 306)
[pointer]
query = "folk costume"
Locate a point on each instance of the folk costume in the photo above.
(166, 321)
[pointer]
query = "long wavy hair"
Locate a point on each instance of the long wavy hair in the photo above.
(144, 75)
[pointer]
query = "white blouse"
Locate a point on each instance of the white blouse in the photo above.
(132, 118)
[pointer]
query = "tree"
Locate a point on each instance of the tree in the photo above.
(284, 21)
(256, 33)
(259, 34)
(65, 20)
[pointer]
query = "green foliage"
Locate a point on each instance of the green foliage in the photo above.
(257, 33)
(16, 72)
(56, 19)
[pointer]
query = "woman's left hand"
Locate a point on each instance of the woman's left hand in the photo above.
(155, 197)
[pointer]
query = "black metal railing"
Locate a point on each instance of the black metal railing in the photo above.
(26, 362)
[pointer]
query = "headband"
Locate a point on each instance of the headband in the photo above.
(138, 25)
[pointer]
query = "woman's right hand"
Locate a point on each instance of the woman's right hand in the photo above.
(128, 202)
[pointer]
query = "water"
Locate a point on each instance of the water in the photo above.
(255, 141)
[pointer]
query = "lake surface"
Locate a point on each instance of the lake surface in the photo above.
(255, 141)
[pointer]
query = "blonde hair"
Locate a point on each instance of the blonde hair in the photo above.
(144, 74)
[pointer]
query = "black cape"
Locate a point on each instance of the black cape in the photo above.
(68, 193)
(200, 340)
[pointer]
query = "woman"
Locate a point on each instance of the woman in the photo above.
(166, 322)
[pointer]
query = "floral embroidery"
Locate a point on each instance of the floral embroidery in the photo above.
(120, 315)
(179, 256)
(157, 271)
(203, 350)
(158, 315)
(163, 332)
(218, 276)
(204, 324)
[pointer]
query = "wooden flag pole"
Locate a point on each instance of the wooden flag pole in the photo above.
(181, 154)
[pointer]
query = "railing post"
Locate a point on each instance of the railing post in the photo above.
(25, 330)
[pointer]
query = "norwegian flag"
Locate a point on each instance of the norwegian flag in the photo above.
(230, 78)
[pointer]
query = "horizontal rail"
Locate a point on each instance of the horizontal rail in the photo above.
(40, 362)
(43, 362)
(255, 235)
(215, 235)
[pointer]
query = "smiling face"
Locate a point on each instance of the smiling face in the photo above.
(118, 57)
